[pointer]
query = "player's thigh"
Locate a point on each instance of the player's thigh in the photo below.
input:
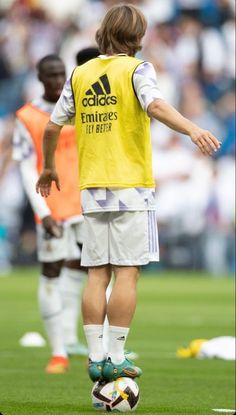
(133, 238)
(95, 239)
(49, 248)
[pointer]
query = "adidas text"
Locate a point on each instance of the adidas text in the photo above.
(97, 100)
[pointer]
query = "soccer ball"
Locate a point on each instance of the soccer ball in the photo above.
(121, 395)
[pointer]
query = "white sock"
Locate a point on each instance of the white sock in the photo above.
(94, 337)
(71, 284)
(49, 299)
(117, 338)
(105, 335)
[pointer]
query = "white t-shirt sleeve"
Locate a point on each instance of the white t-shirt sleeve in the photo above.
(145, 84)
(24, 153)
(64, 110)
(30, 176)
(22, 144)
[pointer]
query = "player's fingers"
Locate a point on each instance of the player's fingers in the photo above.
(201, 146)
(47, 190)
(205, 143)
(214, 142)
(41, 191)
(207, 147)
(44, 190)
(58, 184)
(40, 188)
(210, 143)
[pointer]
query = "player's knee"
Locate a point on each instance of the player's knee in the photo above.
(52, 269)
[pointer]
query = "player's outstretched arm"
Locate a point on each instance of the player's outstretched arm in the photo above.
(162, 111)
(49, 174)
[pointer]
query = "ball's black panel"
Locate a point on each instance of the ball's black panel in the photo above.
(132, 398)
(97, 393)
(118, 400)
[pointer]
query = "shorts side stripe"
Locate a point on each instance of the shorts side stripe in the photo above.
(152, 232)
(155, 231)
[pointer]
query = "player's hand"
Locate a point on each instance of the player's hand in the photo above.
(44, 183)
(52, 227)
(206, 141)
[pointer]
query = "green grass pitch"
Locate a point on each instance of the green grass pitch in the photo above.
(173, 308)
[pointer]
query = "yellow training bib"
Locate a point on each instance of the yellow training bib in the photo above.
(113, 131)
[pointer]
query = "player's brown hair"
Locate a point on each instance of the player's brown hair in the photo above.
(122, 30)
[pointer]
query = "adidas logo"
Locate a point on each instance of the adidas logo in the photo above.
(121, 338)
(99, 94)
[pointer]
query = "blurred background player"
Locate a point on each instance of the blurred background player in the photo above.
(58, 219)
(117, 201)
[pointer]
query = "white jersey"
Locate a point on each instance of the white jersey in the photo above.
(223, 347)
(113, 199)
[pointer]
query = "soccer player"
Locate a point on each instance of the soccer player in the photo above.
(112, 98)
(83, 56)
(59, 219)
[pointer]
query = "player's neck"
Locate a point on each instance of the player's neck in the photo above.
(49, 99)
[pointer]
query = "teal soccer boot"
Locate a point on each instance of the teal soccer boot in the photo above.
(126, 369)
(95, 370)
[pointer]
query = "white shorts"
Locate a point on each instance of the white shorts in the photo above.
(50, 249)
(120, 238)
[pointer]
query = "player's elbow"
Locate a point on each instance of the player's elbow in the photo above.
(52, 128)
(155, 109)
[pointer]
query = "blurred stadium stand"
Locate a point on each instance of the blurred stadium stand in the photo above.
(192, 45)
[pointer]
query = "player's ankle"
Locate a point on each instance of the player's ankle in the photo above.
(117, 358)
(97, 357)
